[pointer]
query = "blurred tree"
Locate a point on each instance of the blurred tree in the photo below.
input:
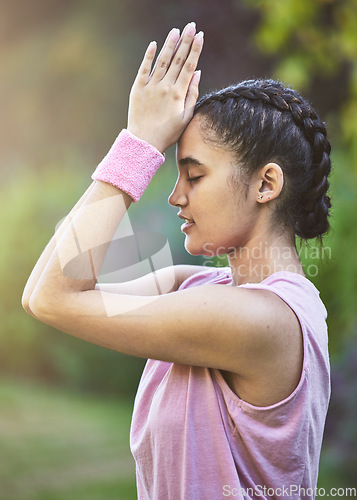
(314, 44)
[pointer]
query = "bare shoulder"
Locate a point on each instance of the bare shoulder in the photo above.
(277, 353)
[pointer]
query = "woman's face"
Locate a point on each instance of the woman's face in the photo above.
(221, 215)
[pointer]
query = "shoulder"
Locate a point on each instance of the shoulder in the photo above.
(298, 293)
(294, 309)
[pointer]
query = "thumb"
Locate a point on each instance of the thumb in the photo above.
(192, 93)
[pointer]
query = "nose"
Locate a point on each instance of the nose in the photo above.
(178, 197)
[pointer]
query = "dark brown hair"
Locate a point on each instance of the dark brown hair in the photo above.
(262, 121)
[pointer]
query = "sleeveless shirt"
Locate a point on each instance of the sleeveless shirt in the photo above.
(193, 438)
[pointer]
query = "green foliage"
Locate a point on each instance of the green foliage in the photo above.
(320, 35)
(315, 40)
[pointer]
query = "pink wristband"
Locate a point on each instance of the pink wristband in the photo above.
(129, 165)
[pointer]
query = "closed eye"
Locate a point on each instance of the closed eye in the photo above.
(193, 179)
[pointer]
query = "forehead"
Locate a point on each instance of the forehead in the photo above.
(192, 145)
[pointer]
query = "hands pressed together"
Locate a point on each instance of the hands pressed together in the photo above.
(163, 96)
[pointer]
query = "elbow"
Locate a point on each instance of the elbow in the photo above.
(49, 304)
(34, 305)
(25, 302)
(47, 308)
(37, 306)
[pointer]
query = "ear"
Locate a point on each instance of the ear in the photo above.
(270, 182)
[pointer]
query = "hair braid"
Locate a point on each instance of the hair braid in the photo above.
(259, 135)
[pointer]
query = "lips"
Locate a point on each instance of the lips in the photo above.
(188, 220)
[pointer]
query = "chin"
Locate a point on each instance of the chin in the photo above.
(193, 247)
(206, 249)
(192, 250)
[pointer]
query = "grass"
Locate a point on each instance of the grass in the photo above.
(56, 445)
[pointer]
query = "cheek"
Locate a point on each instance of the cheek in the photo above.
(219, 195)
(228, 208)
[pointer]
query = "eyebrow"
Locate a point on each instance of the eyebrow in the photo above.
(190, 160)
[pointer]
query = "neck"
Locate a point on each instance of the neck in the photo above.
(262, 256)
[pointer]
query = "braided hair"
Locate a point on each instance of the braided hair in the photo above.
(261, 121)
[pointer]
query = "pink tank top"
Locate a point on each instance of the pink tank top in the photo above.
(193, 438)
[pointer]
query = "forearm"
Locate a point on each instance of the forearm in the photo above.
(162, 102)
(81, 245)
(47, 252)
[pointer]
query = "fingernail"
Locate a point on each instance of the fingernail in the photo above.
(191, 28)
(175, 33)
(199, 36)
(152, 47)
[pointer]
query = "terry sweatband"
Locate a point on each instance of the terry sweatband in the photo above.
(129, 165)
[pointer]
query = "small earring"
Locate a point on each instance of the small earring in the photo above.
(260, 196)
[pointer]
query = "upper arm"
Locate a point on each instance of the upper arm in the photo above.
(161, 281)
(216, 326)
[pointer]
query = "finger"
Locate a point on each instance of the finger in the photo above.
(179, 42)
(164, 47)
(185, 76)
(165, 56)
(192, 94)
(182, 51)
(146, 65)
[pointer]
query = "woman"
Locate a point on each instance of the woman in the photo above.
(234, 395)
